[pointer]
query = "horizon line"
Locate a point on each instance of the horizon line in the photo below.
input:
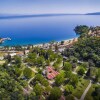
(8, 16)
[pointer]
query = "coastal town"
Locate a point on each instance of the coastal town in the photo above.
(65, 70)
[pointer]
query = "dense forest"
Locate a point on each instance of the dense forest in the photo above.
(86, 49)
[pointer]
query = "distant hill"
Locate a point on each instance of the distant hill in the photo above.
(4, 16)
(7, 16)
(95, 13)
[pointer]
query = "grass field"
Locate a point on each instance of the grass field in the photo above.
(82, 85)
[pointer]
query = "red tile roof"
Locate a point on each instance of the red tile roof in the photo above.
(51, 73)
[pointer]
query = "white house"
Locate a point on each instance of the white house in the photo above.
(12, 54)
(1, 58)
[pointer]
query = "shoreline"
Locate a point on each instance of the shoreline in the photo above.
(66, 41)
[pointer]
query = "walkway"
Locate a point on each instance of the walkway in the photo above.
(85, 92)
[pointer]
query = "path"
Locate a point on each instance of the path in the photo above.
(74, 72)
(75, 98)
(29, 83)
(31, 78)
(85, 92)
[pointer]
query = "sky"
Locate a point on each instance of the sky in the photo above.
(48, 6)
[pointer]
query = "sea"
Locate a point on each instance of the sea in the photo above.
(43, 29)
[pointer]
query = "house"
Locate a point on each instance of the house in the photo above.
(20, 54)
(61, 49)
(26, 52)
(12, 54)
(1, 58)
(51, 73)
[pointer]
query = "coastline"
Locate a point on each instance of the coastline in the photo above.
(66, 41)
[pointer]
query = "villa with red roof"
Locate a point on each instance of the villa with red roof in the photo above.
(51, 73)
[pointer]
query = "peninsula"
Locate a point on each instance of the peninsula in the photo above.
(4, 39)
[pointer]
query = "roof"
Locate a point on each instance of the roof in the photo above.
(12, 54)
(20, 53)
(51, 73)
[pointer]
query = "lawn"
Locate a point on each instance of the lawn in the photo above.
(82, 85)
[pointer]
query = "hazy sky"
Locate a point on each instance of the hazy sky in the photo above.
(48, 6)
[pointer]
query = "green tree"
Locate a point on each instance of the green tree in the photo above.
(59, 79)
(9, 87)
(81, 71)
(74, 80)
(18, 72)
(17, 96)
(55, 93)
(59, 60)
(32, 55)
(31, 59)
(81, 29)
(69, 89)
(85, 65)
(67, 66)
(40, 61)
(44, 82)
(17, 60)
(38, 77)
(86, 49)
(38, 90)
(96, 93)
(48, 62)
(73, 59)
(9, 58)
(62, 42)
(56, 65)
(28, 73)
(68, 74)
(97, 77)
(47, 89)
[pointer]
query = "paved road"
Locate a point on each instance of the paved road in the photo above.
(85, 92)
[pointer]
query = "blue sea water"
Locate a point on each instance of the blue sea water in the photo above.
(36, 30)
